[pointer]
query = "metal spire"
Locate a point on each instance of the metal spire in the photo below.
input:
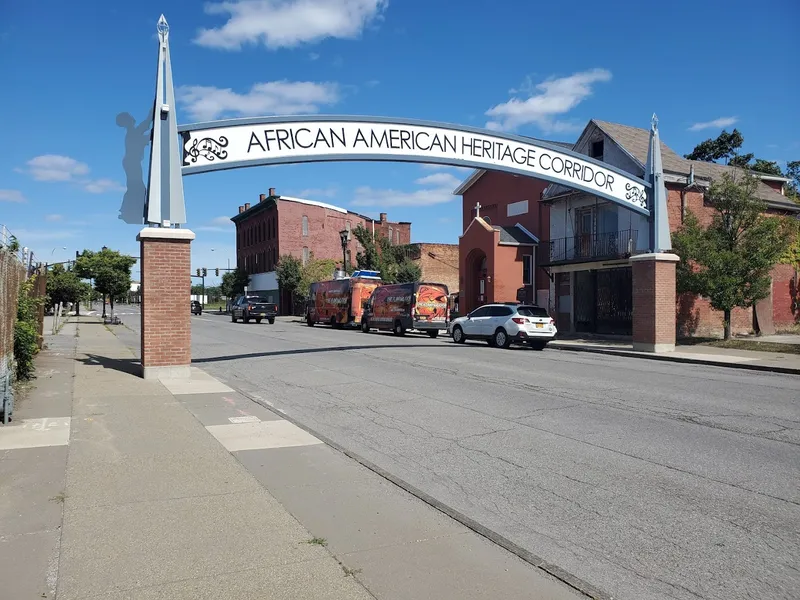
(654, 173)
(165, 204)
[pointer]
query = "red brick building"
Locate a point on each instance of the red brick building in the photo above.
(279, 225)
(498, 258)
(592, 242)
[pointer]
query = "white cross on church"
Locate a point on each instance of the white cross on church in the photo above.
(478, 209)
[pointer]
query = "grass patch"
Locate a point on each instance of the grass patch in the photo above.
(59, 498)
(317, 541)
(754, 345)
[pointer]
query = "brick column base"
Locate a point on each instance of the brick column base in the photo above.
(654, 302)
(166, 291)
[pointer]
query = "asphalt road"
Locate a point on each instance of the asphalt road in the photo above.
(647, 479)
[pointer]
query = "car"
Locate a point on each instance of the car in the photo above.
(504, 324)
(253, 307)
(197, 308)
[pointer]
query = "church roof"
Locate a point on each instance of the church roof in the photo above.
(516, 236)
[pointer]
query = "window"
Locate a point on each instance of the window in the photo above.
(397, 236)
(532, 311)
(483, 311)
(306, 256)
(527, 269)
(487, 220)
(500, 311)
(305, 226)
(390, 234)
(596, 150)
(348, 229)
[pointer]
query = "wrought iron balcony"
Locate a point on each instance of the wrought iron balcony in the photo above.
(589, 247)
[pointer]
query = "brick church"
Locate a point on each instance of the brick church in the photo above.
(525, 239)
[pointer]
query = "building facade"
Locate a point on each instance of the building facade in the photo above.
(591, 241)
(437, 262)
(503, 223)
(279, 225)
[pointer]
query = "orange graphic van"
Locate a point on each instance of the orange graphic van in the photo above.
(340, 302)
(403, 306)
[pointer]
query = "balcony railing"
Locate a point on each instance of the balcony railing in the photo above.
(586, 247)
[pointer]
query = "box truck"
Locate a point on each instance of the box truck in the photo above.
(403, 306)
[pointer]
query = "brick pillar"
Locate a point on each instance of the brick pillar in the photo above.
(654, 302)
(166, 291)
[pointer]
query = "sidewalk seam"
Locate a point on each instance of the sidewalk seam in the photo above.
(666, 357)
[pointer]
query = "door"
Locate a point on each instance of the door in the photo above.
(498, 315)
(476, 321)
(585, 301)
(584, 230)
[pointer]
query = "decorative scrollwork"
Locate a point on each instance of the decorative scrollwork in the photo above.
(636, 195)
(209, 148)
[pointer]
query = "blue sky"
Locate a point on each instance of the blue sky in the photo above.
(540, 69)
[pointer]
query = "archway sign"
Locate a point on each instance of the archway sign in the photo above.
(237, 143)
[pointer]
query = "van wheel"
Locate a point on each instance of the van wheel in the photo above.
(433, 333)
(309, 321)
(271, 321)
(245, 319)
(500, 338)
(233, 318)
(458, 335)
(537, 345)
(365, 326)
(399, 329)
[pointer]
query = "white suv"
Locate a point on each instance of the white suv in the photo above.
(504, 324)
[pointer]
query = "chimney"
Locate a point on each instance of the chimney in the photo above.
(262, 197)
(271, 191)
(383, 217)
(247, 206)
(241, 209)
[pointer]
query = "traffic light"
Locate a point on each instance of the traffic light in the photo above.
(205, 272)
(198, 272)
(217, 272)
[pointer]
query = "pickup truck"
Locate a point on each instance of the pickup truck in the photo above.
(253, 307)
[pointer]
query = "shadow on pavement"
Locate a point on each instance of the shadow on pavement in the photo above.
(324, 349)
(131, 366)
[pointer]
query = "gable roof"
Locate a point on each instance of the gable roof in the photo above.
(478, 173)
(516, 236)
(636, 141)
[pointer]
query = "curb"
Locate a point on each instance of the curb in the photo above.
(583, 587)
(666, 357)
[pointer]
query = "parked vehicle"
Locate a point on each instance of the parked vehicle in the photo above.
(504, 324)
(197, 308)
(403, 306)
(340, 302)
(253, 307)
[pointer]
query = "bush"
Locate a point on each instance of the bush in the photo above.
(26, 346)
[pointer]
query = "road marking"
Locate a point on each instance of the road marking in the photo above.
(261, 435)
(35, 433)
(245, 419)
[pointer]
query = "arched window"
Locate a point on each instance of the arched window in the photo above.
(305, 226)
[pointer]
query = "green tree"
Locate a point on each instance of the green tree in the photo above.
(233, 283)
(729, 262)
(725, 146)
(380, 255)
(313, 271)
(26, 329)
(109, 269)
(407, 272)
(63, 285)
(289, 273)
(793, 173)
(768, 167)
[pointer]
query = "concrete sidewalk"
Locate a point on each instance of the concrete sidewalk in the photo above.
(185, 489)
(777, 362)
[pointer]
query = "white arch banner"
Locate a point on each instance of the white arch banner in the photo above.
(250, 142)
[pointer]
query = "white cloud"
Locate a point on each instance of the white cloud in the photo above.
(715, 124)
(12, 196)
(53, 167)
(439, 190)
(312, 193)
(224, 221)
(53, 218)
(546, 101)
(212, 229)
(372, 83)
(287, 23)
(313, 56)
(206, 103)
(456, 170)
(101, 186)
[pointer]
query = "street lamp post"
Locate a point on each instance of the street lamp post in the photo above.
(344, 236)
